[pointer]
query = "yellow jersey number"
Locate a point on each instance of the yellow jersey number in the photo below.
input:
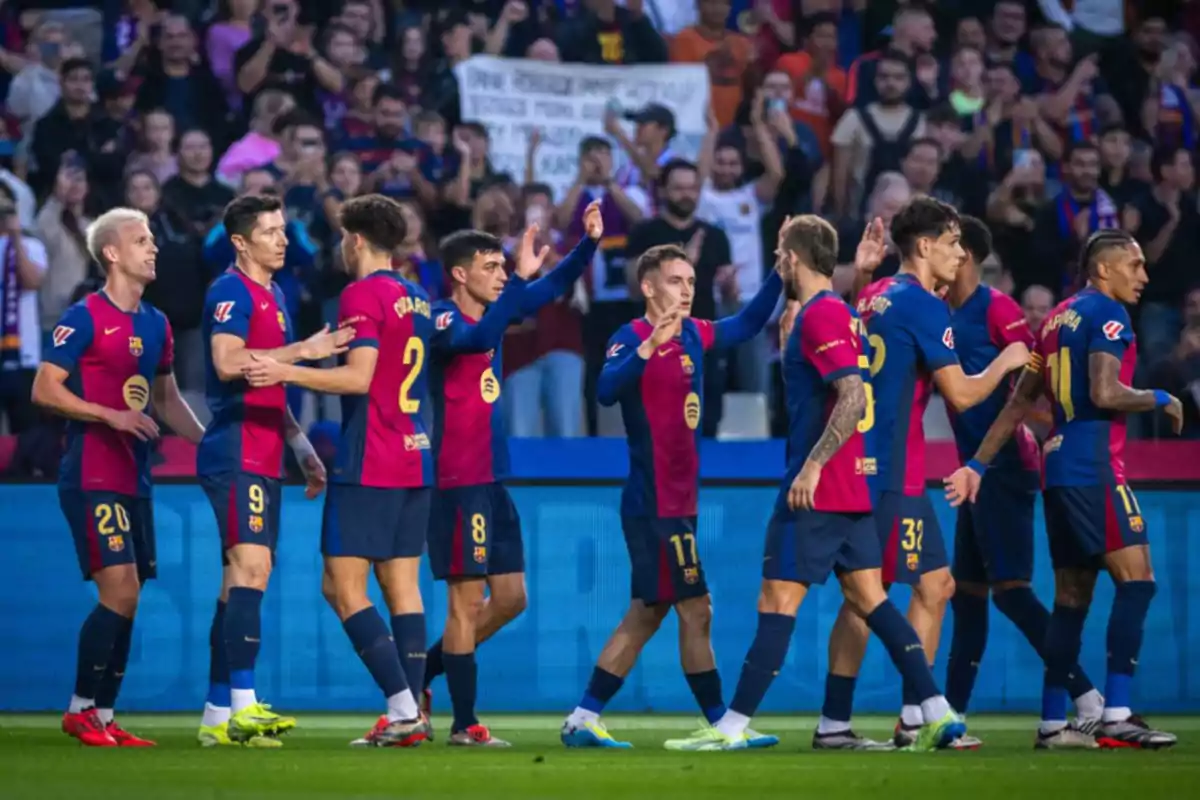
(1060, 381)
(879, 351)
(414, 357)
(914, 535)
(258, 501)
(478, 529)
(106, 514)
(679, 540)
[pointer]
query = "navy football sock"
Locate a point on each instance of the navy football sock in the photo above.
(905, 648)
(763, 661)
(1025, 611)
(409, 632)
(110, 684)
(461, 677)
(243, 630)
(1054, 702)
(1064, 639)
(706, 688)
(218, 661)
(97, 636)
(967, 645)
(1126, 625)
(434, 665)
(839, 697)
(600, 689)
(373, 642)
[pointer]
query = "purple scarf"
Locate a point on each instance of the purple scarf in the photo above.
(10, 317)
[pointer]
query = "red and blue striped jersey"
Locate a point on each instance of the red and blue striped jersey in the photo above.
(828, 342)
(112, 357)
(246, 433)
(384, 441)
(1086, 446)
(910, 337)
(984, 325)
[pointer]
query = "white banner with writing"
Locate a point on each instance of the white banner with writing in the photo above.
(511, 97)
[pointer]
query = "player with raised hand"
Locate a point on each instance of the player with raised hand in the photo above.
(474, 531)
(1084, 363)
(993, 547)
(655, 371)
(822, 520)
(377, 506)
(109, 367)
(912, 350)
(240, 459)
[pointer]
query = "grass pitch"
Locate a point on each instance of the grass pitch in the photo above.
(38, 762)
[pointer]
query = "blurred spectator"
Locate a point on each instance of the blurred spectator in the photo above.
(911, 46)
(387, 153)
(1179, 374)
(474, 172)
(890, 194)
(22, 197)
(300, 166)
(1171, 111)
(358, 17)
(1074, 100)
(966, 81)
(1009, 128)
(969, 32)
(23, 264)
(1095, 26)
(776, 32)
(413, 257)
(708, 251)
(260, 145)
(154, 153)
(1012, 210)
(359, 119)
(284, 58)
(1006, 31)
(230, 32)
(175, 79)
(1036, 302)
(69, 125)
(1131, 75)
(441, 93)
(871, 139)
(125, 43)
(725, 53)
(650, 147)
(343, 50)
(35, 88)
(1167, 225)
(192, 194)
(605, 33)
(1063, 225)
(61, 225)
(818, 84)
(1116, 176)
(412, 67)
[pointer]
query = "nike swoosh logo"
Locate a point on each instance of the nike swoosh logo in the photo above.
(108, 331)
(248, 639)
(666, 352)
(264, 306)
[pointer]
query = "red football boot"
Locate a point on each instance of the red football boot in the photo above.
(124, 738)
(87, 728)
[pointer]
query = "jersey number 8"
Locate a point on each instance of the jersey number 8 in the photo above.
(414, 358)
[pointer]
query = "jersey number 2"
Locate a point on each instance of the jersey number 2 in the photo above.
(1060, 381)
(414, 359)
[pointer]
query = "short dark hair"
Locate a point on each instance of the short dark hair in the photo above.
(477, 128)
(976, 238)
(921, 217)
(896, 57)
(377, 219)
(1113, 127)
(460, 248)
(388, 91)
(531, 189)
(243, 212)
(590, 144)
(1083, 146)
(1098, 244)
(428, 117)
(923, 141)
(653, 259)
(296, 118)
(814, 21)
(72, 64)
(1164, 157)
(943, 114)
(670, 167)
(813, 240)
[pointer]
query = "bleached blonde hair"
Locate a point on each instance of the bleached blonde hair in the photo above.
(103, 230)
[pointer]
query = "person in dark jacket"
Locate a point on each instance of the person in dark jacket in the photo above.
(608, 34)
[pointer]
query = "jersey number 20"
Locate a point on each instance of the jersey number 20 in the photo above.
(414, 358)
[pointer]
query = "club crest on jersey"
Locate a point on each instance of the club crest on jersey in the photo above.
(691, 410)
(116, 543)
(135, 346)
(685, 361)
(691, 575)
(443, 320)
(489, 387)
(612, 351)
(61, 334)
(281, 320)
(136, 393)
(948, 338)
(415, 441)
(912, 561)
(223, 311)
(255, 523)
(1136, 524)
(480, 555)
(1112, 330)
(865, 466)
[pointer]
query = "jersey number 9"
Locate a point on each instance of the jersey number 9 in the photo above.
(414, 359)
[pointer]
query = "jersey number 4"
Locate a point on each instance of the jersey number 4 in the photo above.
(1059, 365)
(414, 359)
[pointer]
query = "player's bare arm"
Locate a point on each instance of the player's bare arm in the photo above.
(964, 391)
(843, 419)
(231, 357)
(667, 329)
(306, 455)
(50, 392)
(172, 409)
(963, 483)
(353, 377)
(1109, 393)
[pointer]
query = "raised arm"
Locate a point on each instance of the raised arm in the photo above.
(452, 334)
(559, 280)
(625, 362)
(747, 323)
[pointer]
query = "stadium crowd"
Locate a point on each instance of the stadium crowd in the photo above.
(1048, 119)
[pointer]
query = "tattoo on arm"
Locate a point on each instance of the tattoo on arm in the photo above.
(843, 418)
(1108, 392)
(1029, 389)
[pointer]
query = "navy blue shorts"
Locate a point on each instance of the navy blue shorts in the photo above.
(910, 536)
(247, 508)
(474, 531)
(664, 559)
(374, 523)
(1086, 522)
(993, 539)
(110, 529)
(805, 546)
